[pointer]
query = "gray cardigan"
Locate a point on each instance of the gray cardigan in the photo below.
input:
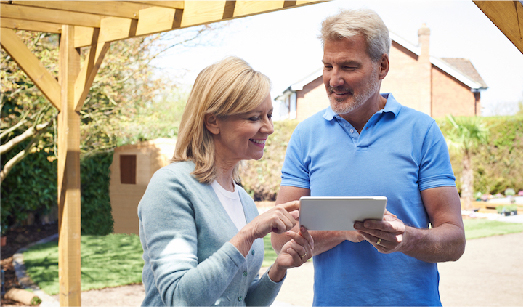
(185, 234)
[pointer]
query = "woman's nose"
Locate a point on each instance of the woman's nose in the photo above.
(267, 127)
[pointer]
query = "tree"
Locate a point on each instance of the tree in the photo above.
(126, 84)
(124, 92)
(27, 118)
(465, 135)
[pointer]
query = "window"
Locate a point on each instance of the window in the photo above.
(128, 169)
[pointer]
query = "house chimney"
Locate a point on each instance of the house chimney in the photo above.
(424, 70)
(423, 41)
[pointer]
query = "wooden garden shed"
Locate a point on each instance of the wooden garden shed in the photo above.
(132, 168)
(95, 24)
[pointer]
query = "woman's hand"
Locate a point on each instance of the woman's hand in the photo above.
(294, 253)
(279, 219)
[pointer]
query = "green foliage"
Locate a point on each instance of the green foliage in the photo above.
(125, 85)
(159, 119)
(498, 162)
(30, 188)
(466, 133)
(96, 206)
(22, 105)
(107, 261)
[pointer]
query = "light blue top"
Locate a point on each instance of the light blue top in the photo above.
(185, 234)
(399, 153)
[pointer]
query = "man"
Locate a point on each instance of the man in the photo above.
(367, 144)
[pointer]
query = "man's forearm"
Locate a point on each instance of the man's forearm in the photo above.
(442, 244)
(325, 240)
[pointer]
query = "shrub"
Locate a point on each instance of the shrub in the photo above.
(31, 187)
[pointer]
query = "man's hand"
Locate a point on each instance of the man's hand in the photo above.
(385, 235)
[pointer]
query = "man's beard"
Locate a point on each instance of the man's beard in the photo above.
(345, 106)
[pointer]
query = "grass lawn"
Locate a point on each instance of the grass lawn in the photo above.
(477, 228)
(107, 261)
(116, 259)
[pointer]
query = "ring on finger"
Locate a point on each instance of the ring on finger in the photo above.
(379, 240)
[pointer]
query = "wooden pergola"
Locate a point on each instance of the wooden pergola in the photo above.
(95, 24)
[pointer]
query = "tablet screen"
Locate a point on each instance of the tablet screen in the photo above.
(336, 213)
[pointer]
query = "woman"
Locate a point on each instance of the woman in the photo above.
(201, 232)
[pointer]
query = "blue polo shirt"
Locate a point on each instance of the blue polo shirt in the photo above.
(399, 153)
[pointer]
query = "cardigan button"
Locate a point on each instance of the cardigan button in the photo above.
(252, 252)
(240, 298)
(245, 273)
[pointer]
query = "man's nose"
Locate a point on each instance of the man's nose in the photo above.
(336, 79)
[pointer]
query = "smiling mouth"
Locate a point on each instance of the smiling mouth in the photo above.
(258, 142)
(340, 91)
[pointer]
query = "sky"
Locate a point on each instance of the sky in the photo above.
(284, 45)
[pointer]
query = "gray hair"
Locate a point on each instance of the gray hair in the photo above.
(348, 23)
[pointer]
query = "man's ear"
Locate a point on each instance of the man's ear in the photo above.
(384, 66)
(210, 120)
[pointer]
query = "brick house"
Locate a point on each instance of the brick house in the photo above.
(418, 80)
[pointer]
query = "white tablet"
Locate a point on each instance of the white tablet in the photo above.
(339, 213)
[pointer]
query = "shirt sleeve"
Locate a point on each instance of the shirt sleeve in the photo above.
(169, 238)
(295, 170)
(435, 168)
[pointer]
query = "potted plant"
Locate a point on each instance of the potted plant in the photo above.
(507, 210)
(510, 192)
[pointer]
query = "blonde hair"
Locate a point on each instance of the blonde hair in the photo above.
(224, 88)
(348, 23)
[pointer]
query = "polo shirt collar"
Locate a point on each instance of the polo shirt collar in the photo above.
(391, 106)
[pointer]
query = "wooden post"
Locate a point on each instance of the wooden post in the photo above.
(69, 174)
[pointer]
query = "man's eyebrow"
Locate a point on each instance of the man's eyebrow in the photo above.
(350, 62)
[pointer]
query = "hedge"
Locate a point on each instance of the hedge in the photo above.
(31, 187)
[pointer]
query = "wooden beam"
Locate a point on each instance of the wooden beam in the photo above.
(201, 12)
(168, 4)
(89, 70)
(19, 24)
(507, 16)
(113, 29)
(247, 8)
(105, 8)
(83, 36)
(155, 19)
(49, 15)
(69, 263)
(30, 64)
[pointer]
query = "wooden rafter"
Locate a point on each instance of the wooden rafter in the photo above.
(31, 65)
(507, 16)
(134, 18)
